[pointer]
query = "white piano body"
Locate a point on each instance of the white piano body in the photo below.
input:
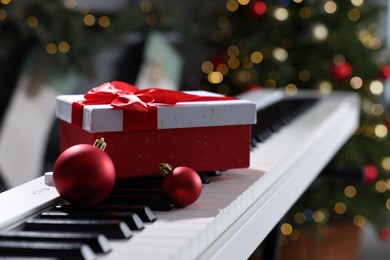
(236, 210)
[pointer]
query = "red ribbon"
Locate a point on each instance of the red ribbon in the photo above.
(139, 106)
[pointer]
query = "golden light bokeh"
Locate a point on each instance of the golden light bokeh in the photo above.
(281, 14)
(104, 21)
(51, 48)
(286, 229)
(89, 20)
(63, 47)
(32, 21)
(215, 77)
(3, 14)
(340, 208)
(330, 7)
(350, 191)
(359, 221)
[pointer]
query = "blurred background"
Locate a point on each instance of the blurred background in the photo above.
(49, 48)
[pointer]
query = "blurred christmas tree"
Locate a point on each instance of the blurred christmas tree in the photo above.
(315, 44)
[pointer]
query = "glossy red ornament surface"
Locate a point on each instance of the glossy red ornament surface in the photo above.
(384, 72)
(257, 8)
(182, 186)
(370, 174)
(385, 233)
(342, 71)
(84, 174)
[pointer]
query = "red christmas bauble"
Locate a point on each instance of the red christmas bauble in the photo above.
(83, 174)
(387, 122)
(182, 186)
(257, 8)
(384, 72)
(370, 173)
(385, 233)
(342, 71)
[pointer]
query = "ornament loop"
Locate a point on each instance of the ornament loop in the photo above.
(99, 143)
(165, 169)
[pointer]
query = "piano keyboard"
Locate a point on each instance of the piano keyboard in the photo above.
(234, 213)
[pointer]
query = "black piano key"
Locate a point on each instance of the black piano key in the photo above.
(154, 201)
(97, 242)
(144, 212)
(138, 191)
(110, 228)
(144, 182)
(204, 177)
(131, 219)
(46, 249)
(272, 118)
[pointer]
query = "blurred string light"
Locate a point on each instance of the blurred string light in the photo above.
(3, 14)
(354, 15)
(357, 2)
(291, 89)
(304, 75)
(350, 191)
(359, 221)
(281, 14)
(243, 2)
(286, 229)
(381, 131)
(386, 163)
(356, 82)
(70, 4)
(257, 57)
(215, 77)
(63, 47)
(89, 20)
(340, 208)
(104, 21)
(299, 218)
(325, 87)
(381, 186)
(319, 32)
(330, 7)
(32, 21)
(280, 54)
(376, 87)
(319, 216)
(305, 12)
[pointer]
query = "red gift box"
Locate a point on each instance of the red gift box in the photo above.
(143, 128)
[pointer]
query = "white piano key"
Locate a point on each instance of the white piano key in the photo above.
(145, 252)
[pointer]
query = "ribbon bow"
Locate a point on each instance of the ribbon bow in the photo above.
(125, 96)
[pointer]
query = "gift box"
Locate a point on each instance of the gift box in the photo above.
(143, 128)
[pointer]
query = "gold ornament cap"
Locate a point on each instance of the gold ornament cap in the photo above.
(99, 143)
(165, 169)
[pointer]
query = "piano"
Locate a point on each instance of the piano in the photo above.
(294, 139)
